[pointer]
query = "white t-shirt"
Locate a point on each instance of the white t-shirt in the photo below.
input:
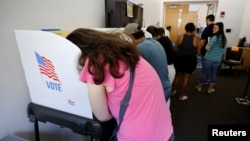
(167, 33)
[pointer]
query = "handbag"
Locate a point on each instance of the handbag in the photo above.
(124, 105)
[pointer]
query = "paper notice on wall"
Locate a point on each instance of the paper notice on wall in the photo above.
(129, 9)
(60, 32)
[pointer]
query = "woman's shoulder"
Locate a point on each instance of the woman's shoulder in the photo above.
(196, 38)
(214, 38)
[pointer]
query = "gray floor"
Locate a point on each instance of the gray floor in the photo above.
(192, 117)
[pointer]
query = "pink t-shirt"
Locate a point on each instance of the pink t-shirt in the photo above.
(147, 117)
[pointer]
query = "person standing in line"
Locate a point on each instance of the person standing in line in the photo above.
(153, 52)
(198, 32)
(166, 43)
(206, 34)
(158, 34)
(167, 31)
(213, 57)
(106, 62)
(187, 49)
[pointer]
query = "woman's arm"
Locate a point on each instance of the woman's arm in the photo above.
(198, 45)
(98, 101)
(211, 43)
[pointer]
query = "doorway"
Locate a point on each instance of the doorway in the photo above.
(177, 15)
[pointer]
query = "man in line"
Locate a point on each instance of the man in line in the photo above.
(206, 34)
(153, 52)
(167, 31)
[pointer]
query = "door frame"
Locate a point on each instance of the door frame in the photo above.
(208, 2)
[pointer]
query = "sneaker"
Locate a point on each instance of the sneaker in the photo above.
(183, 97)
(198, 88)
(207, 82)
(210, 90)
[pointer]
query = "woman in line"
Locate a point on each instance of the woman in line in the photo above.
(158, 33)
(213, 57)
(106, 60)
(187, 48)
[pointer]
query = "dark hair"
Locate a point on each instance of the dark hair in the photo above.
(221, 32)
(138, 34)
(168, 28)
(155, 31)
(210, 17)
(103, 49)
(242, 42)
(190, 27)
(198, 30)
(151, 29)
(160, 31)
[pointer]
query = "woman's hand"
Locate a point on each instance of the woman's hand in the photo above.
(207, 47)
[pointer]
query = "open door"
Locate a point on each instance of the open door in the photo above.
(177, 15)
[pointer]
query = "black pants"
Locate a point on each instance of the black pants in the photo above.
(107, 128)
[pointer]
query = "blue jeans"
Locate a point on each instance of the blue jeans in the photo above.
(210, 68)
(203, 67)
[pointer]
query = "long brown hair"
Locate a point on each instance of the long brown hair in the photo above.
(221, 32)
(103, 49)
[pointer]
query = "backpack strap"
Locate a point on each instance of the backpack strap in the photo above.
(125, 101)
(124, 105)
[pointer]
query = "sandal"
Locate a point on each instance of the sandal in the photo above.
(183, 97)
(173, 92)
(198, 88)
(210, 90)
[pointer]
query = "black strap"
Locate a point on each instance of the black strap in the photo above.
(124, 104)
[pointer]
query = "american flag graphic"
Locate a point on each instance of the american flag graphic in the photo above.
(46, 67)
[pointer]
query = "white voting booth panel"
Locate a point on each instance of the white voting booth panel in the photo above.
(50, 66)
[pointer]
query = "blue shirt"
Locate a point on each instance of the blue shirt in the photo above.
(153, 52)
(216, 49)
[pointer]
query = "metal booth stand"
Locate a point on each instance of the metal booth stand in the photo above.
(98, 131)
(245, 100)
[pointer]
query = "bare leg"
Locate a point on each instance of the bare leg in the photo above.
(175, 82)
(184, 84)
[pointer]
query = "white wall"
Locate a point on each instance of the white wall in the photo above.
(245, 30)
(30, 14)
(235, 9)
(202, 15)
(151, 11)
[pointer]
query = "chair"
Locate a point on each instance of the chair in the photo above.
(233, 57)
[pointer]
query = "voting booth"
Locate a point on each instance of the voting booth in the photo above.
(50, 66)
(57, 96)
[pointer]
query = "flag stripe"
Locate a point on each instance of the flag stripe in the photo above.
(46, 67)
